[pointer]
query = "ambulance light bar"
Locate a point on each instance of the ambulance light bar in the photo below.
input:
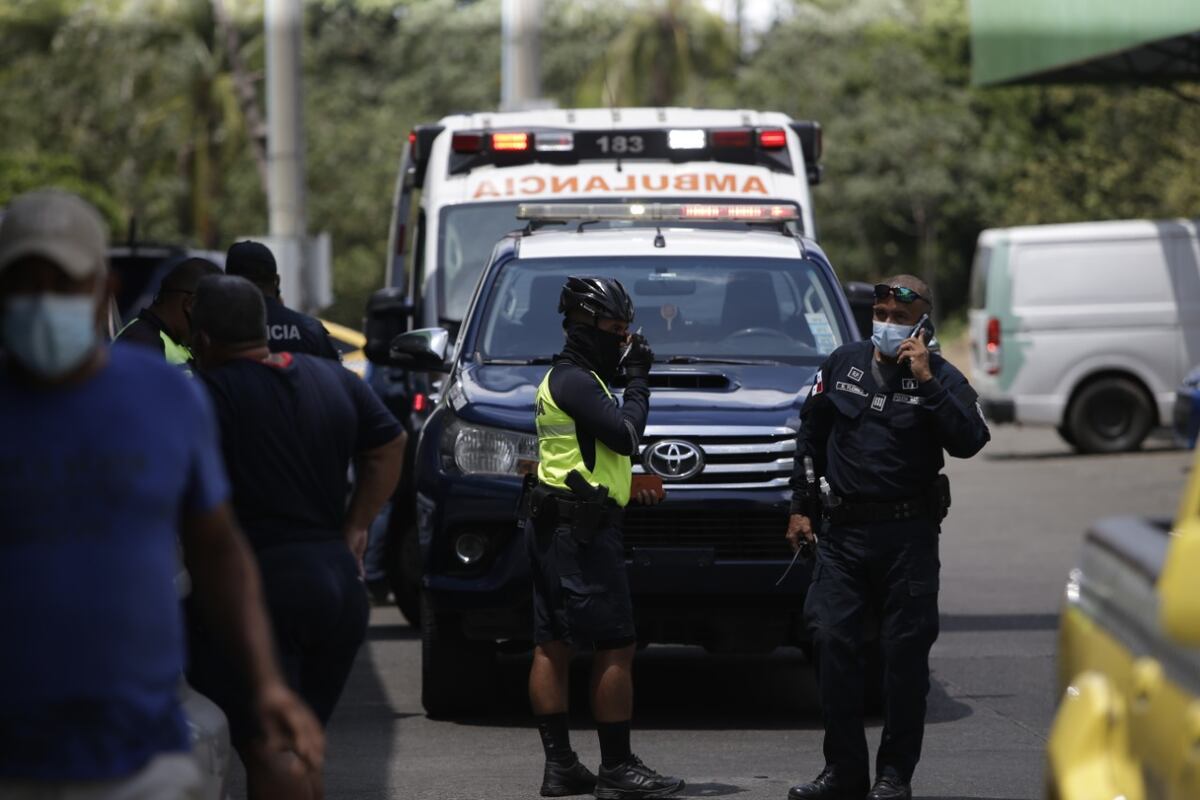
(657, 212)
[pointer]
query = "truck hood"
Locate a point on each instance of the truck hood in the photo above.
(707, 394)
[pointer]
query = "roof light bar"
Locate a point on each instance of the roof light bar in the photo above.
(657, 212)
(512, 142)
(554, 142)
(686, 139)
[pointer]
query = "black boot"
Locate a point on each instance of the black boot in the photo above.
(566, 779)
(829, 786)
(889, 787)
(633, 780)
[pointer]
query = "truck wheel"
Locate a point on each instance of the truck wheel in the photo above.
(457, 674)
(405, 576)
(1110, 415)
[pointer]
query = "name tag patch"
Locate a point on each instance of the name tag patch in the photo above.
(908, 384)
(855, 374)
(907, 398)
(877, 402)
(842, 386)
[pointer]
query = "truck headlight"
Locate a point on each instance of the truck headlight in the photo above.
(480, 450)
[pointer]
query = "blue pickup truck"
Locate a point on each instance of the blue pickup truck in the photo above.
(739, 316)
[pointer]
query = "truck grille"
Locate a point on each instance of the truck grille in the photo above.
(733, 457)
(733, 536)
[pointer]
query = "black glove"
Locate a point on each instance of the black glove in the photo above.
(637, 362)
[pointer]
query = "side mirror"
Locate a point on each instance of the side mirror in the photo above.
(422, 350)
(862, 304)
(389, 313)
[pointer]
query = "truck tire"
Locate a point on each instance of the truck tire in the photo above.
(1109, 415)
(405, 575)
(458, 675)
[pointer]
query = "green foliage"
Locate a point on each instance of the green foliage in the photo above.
(132, 103)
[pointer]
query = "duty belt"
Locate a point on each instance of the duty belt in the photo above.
(567, 509)
(850, 511)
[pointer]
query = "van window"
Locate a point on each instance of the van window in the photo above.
(763, 308)
(979, 277)
(1078, 273)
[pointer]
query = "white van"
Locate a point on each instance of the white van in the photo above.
(461, 179)
(1088, 327)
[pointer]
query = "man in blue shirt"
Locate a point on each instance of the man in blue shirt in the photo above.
(291, 425)
(108, 461)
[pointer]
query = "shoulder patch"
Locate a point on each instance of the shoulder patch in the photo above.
(818, 385)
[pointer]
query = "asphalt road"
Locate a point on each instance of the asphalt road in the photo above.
(748, 727)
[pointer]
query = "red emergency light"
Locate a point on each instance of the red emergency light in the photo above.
(510, 142)
(466, 143)
(772, 139)
(740, 137)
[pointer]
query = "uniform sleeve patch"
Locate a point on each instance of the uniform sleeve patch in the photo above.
(818, 384)
(852, 388)
(855, 374)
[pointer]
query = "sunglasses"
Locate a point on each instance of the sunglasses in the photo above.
(901, 293)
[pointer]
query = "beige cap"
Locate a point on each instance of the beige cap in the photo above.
(57, 226)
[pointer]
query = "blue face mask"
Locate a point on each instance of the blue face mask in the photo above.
(50, 334)
(887, 337)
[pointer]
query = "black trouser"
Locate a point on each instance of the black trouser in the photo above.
(889, 572)
(319, 613)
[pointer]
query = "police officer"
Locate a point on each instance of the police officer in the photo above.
(166, 325)
(868, 457)
(581, 590)
(288, 331)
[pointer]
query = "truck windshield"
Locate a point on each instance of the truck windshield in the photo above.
(690, 309)
(467, 234)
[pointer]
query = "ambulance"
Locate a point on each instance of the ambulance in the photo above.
(461, 180)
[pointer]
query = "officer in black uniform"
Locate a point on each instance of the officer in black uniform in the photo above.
(581, 589)
(868, 460)
(288, 331)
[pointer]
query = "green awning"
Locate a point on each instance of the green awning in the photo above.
(1095, 41)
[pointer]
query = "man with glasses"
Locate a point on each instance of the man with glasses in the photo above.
(869, 455)
(166, 325)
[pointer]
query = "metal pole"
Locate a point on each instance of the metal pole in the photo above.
(285, 146)
(520, 55)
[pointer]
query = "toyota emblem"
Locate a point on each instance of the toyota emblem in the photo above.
(674, 460)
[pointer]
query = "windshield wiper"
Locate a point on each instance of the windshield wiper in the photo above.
(716, 360)
(516, 362)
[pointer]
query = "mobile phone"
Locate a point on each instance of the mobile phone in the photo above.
(924, 325)
(629, 347)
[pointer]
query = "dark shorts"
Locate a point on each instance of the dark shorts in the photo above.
(580, 591)
(319, 612)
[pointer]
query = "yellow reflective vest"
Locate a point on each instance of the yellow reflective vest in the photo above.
(559, 453)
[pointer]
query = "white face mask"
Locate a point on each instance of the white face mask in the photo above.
(887, 337)
(50, 334)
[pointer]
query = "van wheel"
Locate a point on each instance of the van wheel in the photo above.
(458, 675)
(1065, 434)
(405, 575)
(1110, 415)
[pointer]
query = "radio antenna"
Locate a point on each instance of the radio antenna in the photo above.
(612, 105)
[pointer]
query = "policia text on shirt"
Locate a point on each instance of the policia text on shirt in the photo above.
(573, 529)
(868, 458)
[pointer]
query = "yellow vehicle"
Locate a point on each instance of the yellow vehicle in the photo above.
(349, 344)
(1128, 725)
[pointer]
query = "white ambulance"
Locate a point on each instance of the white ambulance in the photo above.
(461, 180)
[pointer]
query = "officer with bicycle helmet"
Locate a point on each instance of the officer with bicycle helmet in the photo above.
(573, 524)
